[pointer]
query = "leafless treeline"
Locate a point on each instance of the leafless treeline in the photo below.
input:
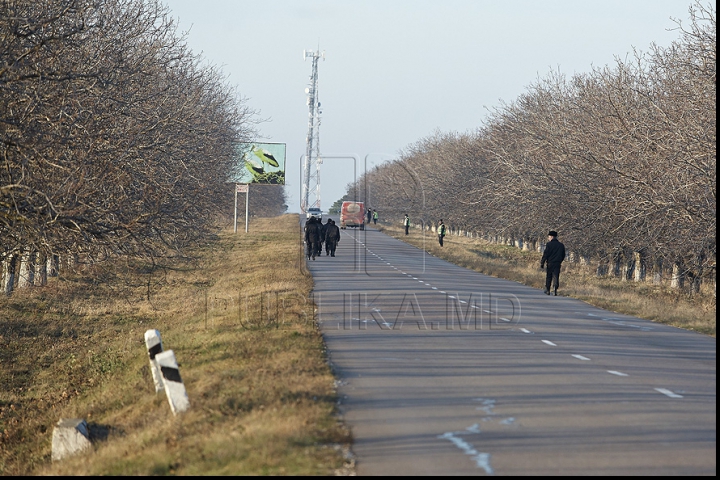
(115, 139)
(621, 161)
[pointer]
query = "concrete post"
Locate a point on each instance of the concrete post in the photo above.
(70, 436)
(174, 387)
(154, 346)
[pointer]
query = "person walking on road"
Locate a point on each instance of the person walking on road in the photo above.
(323, 229)
(441, 232)
(332, 237)
(553, 256)
(369, 216)
(312, 237)
(375, 216)
(406, 223)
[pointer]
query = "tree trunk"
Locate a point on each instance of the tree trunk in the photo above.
(658, 271)
(602, 269)
(678, 276)
(41, 270)
(697, 274)
(617, 263)
(639, 262)
(27, 270)
(9, 274)
(53, 265)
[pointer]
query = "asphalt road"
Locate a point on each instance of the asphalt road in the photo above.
(444, 371)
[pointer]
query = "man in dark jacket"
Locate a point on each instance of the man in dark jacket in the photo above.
(332, 237)
(312, 237)
(323, 228)
(554, 255)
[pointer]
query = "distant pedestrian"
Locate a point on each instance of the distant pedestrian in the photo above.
(441, 232)
(406, 223)
(553, 256)
(375, 216)
(332, 237)
(312, 237)
(323, 229)
(369, 216)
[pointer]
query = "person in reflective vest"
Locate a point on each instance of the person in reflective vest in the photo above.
(441, 232)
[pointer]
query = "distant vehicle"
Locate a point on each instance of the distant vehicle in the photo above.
(352, 214)
(314, 212)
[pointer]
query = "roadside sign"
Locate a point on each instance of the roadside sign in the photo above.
(241, 188)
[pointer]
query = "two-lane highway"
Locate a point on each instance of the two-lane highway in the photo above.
(444, 371)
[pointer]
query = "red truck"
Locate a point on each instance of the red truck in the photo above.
(352, 214)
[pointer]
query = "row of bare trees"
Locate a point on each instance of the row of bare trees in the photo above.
(115, 139)
(621, 161)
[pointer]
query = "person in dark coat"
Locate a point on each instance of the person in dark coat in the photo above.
(332, 237)
(323, 228)
(553, 255)
(312, 237)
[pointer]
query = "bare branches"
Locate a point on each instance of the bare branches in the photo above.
(619, 159)
(113, 136)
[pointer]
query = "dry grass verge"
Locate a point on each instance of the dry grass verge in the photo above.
(240, 322)
(641, 299)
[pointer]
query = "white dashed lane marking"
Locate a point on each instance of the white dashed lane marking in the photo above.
(669, 393)
(548, 342)
(619, 374)
(580, 357)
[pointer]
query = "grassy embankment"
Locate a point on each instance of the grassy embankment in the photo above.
(261, 393)
(642, 299)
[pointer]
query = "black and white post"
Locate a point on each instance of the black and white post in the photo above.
(174, 387)
(154, 346)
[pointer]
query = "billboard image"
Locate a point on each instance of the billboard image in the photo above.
(262, 163)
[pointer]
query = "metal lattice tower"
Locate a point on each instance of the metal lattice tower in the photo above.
(311, 167)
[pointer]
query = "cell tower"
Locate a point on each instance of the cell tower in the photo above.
(311, 168)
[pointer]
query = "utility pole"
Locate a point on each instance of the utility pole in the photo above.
(311, 167)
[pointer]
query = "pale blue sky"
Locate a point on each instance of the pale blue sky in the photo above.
(395, 71)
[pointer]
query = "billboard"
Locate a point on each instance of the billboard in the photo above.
(262, 163)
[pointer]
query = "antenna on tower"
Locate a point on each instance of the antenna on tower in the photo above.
(311, 166)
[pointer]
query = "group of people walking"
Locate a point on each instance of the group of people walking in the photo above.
(317, 233)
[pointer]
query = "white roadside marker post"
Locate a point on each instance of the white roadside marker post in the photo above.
(154, 346)
(174, 387)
